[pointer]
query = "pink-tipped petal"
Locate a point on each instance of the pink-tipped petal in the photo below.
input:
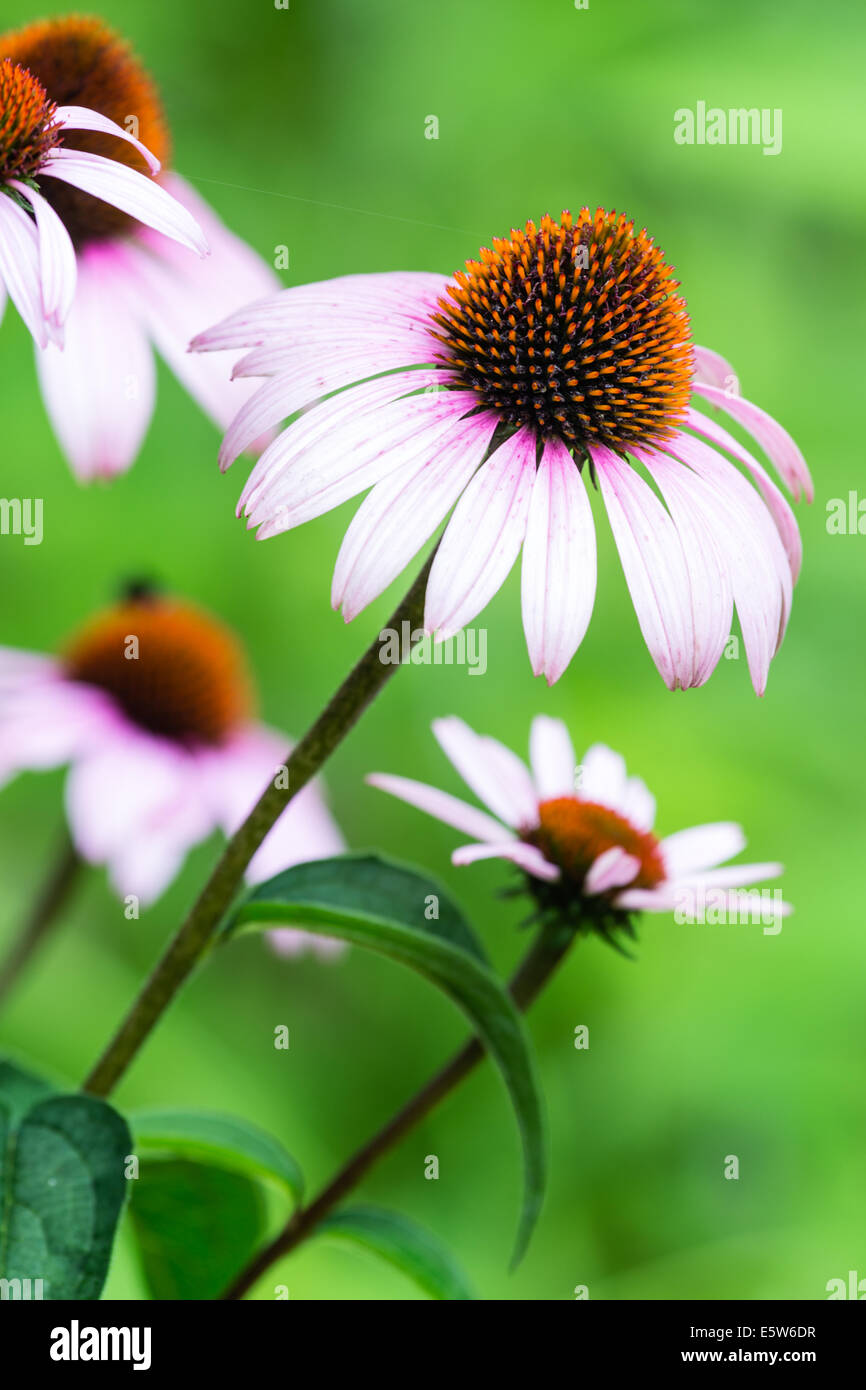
(559, 563)
(526, 857)
(775, 441)
(551, 755)
(124, 188)
(612, 869)
(20, 268)
(82, 118)
(99, 391)
(701, 847)
(449, 809)
(655, 568)
(495, 774)
(403, 511)
(483, 537)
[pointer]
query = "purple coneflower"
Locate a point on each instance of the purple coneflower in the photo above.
(151, 706)
(94, 249)
(562, 356)
(581, 834)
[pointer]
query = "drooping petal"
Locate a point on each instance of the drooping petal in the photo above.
(57, 264)
(690, 504)
(20, 268)
(758, 567)
(551, 754)
(713, 369)
(526, 857)
(46, 721)
(483, 537)
(124, 188)
(403, 511)
(174, 294)
(701, 847)
(559, 563)
(655, 568)
(99, 391)
(776, 442)
(449, 809)
(781, 512)
(495, 774)
(135, 805)
(374, 303)
(234, 777)
(343, 446)
(82, 118)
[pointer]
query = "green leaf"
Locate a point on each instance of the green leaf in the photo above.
(196, 1226)
(375, 887)
(319, 897)
(62, 1186)
(222, 1141)
(409, 1247)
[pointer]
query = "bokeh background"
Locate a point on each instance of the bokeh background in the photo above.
(305, 128)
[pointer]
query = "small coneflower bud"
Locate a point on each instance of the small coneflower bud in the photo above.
(27, 126)
(575, 329)
(173, 670)
(80, 61)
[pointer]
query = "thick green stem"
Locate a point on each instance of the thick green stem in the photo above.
(192, 940)
(532, 974)
(45, 912)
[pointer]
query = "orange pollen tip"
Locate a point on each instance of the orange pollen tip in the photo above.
(172, 669)
(598, 348)
(573, 833)
(27, 126)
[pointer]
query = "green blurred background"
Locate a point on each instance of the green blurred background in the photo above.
(305, 127)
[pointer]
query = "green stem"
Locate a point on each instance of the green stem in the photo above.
(192, 940)
(536, 968)
(45, 912)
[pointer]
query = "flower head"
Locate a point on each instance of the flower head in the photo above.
(582, 834)
(151, 705)
(95, 239)
(560, 357)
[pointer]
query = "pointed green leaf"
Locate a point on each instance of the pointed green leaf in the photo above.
(319, 898)
(222, 1141)
(403, 1243)
(62, 1186)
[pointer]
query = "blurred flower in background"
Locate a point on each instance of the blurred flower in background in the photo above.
(150, 704)
(581, 833)
(559, 352)
(135, 288)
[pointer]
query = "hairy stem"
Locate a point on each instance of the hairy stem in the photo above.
(44, 914)
(195, 936)
(536, 968)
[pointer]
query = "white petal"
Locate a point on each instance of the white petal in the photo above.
(559, 564)
(551, 754)
(20, 267)
(449, 809)
(612, 869)
(773, 438)
(526, 857)
(82, 118)
(701, 847)
(57, 262)
(494, 772)
(403, 511)
(126, 189)
(483, 537)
